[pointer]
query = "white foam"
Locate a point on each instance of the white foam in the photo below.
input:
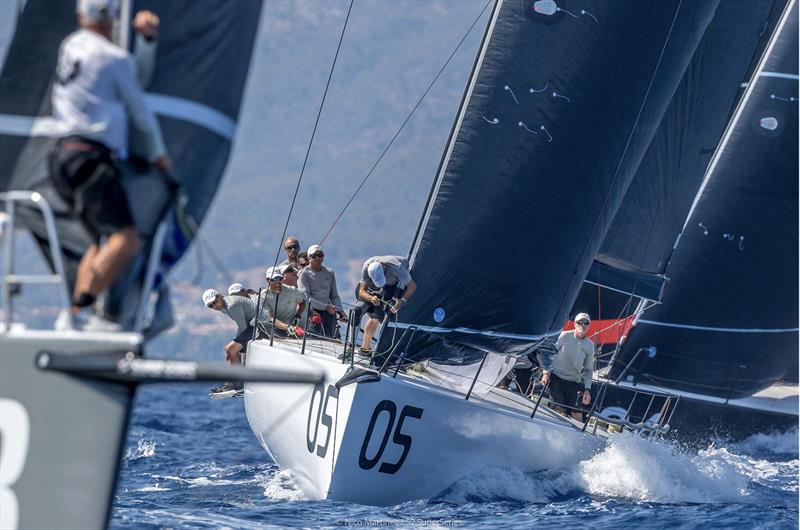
(144, 449)
(281, 487)
(156, 487)
(651, 471)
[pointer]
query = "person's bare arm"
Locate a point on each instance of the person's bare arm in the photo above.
(145, 25)
(364, 295)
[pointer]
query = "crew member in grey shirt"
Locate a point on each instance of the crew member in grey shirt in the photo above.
(385, 282)
(242, 310)
(284, 304)
(572, 368)
(318, 283)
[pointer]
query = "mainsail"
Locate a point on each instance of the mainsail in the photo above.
(196, 87)
(728, 322)
(563, 101)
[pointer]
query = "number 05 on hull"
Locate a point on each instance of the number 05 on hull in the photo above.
(389, 440)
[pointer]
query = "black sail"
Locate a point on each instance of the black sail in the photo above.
(562, 104)
(728, 322)
(196, 87)
(634, 255)
(655, 206)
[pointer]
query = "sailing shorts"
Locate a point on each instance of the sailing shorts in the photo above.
(565, 392)
(244, 337)
(84, 174)
(377, 311)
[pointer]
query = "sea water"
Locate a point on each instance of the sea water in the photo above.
(192, 462)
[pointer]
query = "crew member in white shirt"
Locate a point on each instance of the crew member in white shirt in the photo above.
(95, 94)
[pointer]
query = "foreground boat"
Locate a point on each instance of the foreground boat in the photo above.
(385, 438)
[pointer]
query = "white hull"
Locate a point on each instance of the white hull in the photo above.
(396, 439)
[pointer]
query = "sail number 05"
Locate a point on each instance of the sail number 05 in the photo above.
(321, 397)
(404, 440)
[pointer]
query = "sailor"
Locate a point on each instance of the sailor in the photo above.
(318, 283)
(292, 248)
(242, 310)
(289, 275)
(302, 260)
(236, 289)
(283, 303)
(95, 94)
(570, 375)
(385, 283)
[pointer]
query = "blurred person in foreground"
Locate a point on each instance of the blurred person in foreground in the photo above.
(95, 94)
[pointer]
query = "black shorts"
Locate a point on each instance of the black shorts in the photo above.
(328, 327)
(565, 392)
(85, 176)
(377, 311)
(244, 337)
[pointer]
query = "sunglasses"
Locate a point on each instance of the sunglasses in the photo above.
(317, 255)
(292, 247)
(582, 323)
(210, 305)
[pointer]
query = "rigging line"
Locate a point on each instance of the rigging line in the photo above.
(622, 158)
(396, 134)
(192, 224)
(313, 133)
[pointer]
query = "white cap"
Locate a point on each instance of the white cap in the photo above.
(274, 274)
(286, 267)
(209, 295)
(582, 316)
(96, 10)
(313, 249)
(234, 288)
(375, 272)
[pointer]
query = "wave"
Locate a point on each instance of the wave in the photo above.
(653, 471)
(782, 443)
(640, 470)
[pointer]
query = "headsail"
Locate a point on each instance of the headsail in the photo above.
(633, 257)
(562, 104)
(201, 67)
(728, 322)
(636, 250)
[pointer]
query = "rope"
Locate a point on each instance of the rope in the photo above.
(396, 134)
(313, 133)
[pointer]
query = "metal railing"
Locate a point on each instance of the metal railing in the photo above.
(9, 279)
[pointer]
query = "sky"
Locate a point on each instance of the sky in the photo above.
(390, 53)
